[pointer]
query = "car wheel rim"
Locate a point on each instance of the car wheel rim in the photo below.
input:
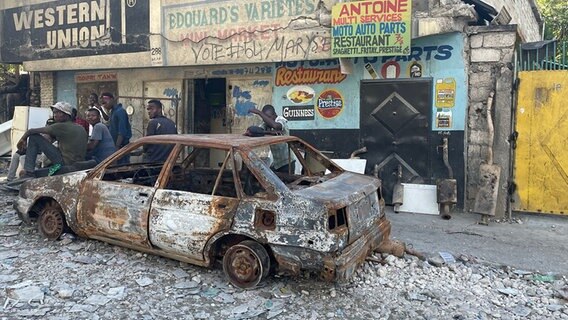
(244, 266)
(51, 222)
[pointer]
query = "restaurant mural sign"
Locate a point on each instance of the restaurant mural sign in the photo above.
(371, 28)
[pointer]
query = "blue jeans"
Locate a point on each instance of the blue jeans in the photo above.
(36, 145)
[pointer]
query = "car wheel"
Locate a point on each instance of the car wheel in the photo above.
(246, 264)
(51, 222)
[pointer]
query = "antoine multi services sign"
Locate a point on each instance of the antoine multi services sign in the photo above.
(371, 28)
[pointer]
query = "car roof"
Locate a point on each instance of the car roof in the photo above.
(225, 141)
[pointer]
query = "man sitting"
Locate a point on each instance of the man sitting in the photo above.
(100, 145)
(71, 138)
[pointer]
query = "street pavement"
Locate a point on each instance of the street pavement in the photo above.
(535, 242)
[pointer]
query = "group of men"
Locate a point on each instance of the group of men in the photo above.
(70, 139)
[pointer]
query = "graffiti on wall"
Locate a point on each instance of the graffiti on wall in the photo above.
(243, 101)
(215, 32)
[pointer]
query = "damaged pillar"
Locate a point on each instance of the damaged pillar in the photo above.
(491, 70)
(47, 85)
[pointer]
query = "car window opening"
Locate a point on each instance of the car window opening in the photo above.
(306, 166)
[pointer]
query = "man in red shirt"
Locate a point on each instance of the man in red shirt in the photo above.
(80, 121)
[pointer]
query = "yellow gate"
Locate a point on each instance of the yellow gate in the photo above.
(541, 158)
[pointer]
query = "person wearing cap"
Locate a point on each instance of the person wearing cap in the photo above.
(20, 156)
(119, 125)
(71, 138)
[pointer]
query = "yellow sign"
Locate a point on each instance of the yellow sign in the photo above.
(371, 28)
(445, 93)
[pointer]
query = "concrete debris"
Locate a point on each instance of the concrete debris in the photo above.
(143, 282)
(97, 299)
(186, 285)
(26, 294)
(43, 279)
(116, 293)
(8, 255)
(9, 233)
(8, 277)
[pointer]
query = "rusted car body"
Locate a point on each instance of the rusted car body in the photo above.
(196, 209)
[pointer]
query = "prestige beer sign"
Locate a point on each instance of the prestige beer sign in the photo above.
(330, 103)
(371, 28)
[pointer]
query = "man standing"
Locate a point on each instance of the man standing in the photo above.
(71, 138)
(119, 125)
(276, 125)
(158, 125)
(100, 145)
(94, 103)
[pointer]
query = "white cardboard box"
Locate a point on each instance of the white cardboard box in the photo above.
(419, 198)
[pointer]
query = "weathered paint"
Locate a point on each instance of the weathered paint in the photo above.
(541, 157)
(115, 210)
(183, 222)
(190, 227)
(64, 189)
(204, 32)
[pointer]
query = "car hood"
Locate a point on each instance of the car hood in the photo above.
(346, 188)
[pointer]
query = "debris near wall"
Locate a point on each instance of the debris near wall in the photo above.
(88, 279)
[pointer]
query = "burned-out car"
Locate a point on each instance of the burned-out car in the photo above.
(215, 198)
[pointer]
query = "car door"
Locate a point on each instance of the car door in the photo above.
(197, 201)
(114, 202)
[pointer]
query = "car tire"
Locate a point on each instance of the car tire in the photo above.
(245, 264)
(51, 221)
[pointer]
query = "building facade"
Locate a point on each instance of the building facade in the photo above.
(211, 61)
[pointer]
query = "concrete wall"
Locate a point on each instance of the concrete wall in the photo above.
(522, 14)
(491, 69)
(47, 91)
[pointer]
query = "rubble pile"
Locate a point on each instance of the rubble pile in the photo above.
(83, 279)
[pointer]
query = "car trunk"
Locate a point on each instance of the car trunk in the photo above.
(356, 194)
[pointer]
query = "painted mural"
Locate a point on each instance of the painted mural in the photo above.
(437, 57)
(316, 95)
(217, 32)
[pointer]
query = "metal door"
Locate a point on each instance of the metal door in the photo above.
(395, 128)
(541, 156)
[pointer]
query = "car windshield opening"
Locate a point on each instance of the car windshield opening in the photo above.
(297, 164)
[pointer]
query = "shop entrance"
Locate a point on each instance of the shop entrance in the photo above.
(209, 106)
(220, 105)
(395, 128)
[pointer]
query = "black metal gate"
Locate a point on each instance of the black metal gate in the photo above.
(395, 128)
